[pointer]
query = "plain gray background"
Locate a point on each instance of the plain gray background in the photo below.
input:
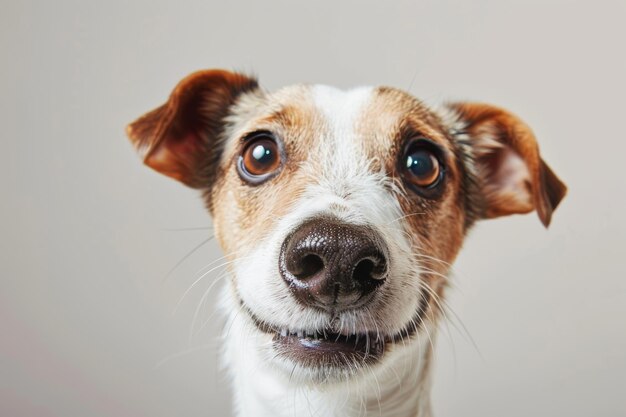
(87, 322)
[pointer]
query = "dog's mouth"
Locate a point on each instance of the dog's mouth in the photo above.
(319, 348)
(315, 348)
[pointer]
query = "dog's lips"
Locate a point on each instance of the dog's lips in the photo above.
(329, 348)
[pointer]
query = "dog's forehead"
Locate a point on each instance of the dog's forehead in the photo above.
(341, 109)
(372, 118)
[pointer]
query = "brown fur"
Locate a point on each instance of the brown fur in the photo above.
(186, 139)
(499, 130)
(198, 135)
(181, 138)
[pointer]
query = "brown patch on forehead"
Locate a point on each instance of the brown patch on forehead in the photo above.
(391, 119)
(246, 213)
(390, 116)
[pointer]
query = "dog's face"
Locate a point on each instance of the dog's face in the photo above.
(341, 212)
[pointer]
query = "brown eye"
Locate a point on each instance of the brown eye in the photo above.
(420, 166)
(259, 159)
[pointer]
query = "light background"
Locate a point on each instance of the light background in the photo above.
(86, 323)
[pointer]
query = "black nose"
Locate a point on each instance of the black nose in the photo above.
(333, 265)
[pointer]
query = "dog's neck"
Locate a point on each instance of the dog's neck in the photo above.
(398, 387)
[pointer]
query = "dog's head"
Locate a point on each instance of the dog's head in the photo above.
(341, 211)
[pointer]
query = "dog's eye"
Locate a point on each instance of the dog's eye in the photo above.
(420, 165)
(260, 158)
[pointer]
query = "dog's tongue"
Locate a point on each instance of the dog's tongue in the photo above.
(332, 349)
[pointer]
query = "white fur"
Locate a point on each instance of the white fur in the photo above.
(347, 187)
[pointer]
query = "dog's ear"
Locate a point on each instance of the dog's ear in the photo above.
(181, 138)
(511, 174)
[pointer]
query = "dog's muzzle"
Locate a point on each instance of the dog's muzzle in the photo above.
(340, 270)
(332, 265)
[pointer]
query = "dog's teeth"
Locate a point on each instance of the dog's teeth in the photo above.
(283, 332)
(300, 334)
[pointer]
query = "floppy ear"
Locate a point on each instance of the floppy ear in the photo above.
(512, 176)
(181, 138)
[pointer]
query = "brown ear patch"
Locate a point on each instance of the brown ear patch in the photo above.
(514, 178)
(180, 139)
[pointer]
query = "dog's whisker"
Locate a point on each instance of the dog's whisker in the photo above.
(186, 229)
(210, 264)
(201, 304)
(464, 332)
(191, 287)
(406, 216)
(184, 258)
(232, 322)
(444, 307)
(183, 353)
(432, 272)
(214, 312)
(423, 255)
(378, 390)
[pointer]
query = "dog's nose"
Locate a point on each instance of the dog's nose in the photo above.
(333, 265)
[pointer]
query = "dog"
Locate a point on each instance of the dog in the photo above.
(340, 214)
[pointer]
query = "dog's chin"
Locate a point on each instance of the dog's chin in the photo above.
(324, 356)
